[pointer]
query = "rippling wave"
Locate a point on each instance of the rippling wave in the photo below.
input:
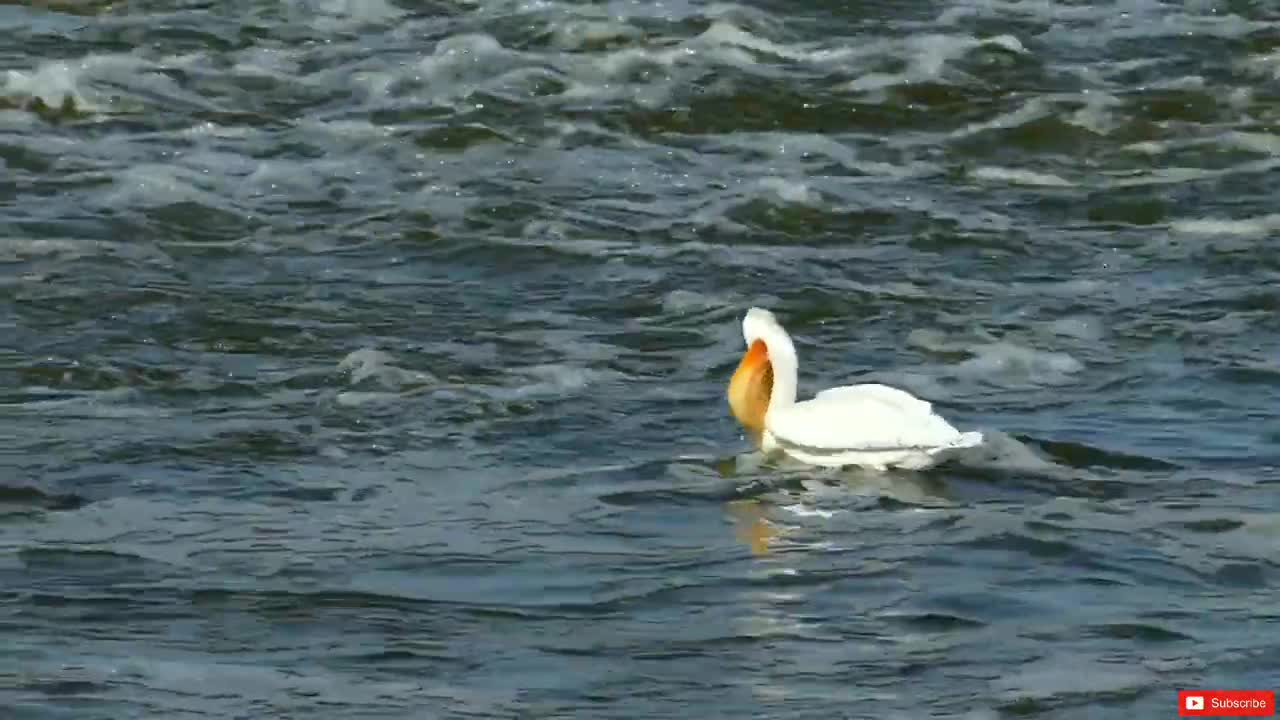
(367, 359)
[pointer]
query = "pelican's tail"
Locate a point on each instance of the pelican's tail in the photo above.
(963, 440)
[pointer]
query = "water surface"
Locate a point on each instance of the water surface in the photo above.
(367, 359)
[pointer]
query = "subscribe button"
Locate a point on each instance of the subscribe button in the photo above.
(1226, 703)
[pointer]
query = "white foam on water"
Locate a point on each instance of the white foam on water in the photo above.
(1247, 227)
(724, 35)
(554, 234)
(443, 200)
(268, 62)
(348, 129)
(1148, 147)
(1266, 65)
(284, 179)
(888, 289)
(1261, 143)
(998, 361)
(1080, 327)
(1014, 176)
(17, 120)
(122, 402)
(340, 15)
(352, 398)
(1181, 175)
(801, 510)
(53, 81)
(1100, 113)
(935, 341)
(927, 57)
(812, 150)
(580, 34)
(1042, 9)
(39, 19)
(1001, 450)
(1033, 109)
(93, 83)
(918, 382)
(1231, 324)
(685, 301)
(542, 316)
(459, 66)
(1005, 362)
(155, 185)
(1258, 142)
(1078, 288)
(210, 129)
(372, 364)
(1076, 25)
(19, 249)
(1071, 675)
(790, 191)
(1181, 24)
(373, 84)
(642, 70)
(1182, 82)
(551, 381)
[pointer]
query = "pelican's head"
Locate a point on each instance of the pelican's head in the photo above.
(751, 387)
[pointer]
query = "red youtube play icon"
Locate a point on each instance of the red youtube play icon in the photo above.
(1226, 703)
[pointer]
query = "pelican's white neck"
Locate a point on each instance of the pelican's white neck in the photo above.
(760, 324)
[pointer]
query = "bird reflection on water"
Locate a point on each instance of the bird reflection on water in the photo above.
(780, 484)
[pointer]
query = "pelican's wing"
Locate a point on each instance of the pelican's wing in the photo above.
(863, 417)
(886, 394)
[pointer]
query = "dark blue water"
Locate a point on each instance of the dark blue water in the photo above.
(367, 359)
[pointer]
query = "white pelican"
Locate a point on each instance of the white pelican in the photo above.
(872, 425)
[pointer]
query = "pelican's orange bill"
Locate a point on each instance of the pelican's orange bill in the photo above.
(750, 387)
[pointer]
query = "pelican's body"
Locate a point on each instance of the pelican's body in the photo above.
(873, 426)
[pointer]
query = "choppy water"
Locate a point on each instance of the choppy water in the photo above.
(366, 358)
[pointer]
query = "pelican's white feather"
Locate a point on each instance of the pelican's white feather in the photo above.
(870, 425)
(861, 417)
